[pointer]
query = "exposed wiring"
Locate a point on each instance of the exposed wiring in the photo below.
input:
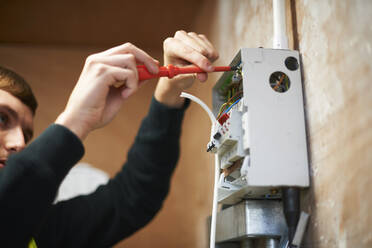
(231, 89)
(216, 167)
(222, 109)
(227, 110)
(228, 103)
(279, 82)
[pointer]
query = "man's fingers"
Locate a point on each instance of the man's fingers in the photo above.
(205, 39)
(177, 49)
(140, 55)
(206, 47)
(202, 77)
(126, 77)
(197, 43)
(202, 39)
(192, 42)
(126, 61)
(114, 69)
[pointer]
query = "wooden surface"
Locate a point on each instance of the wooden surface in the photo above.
(94, 22)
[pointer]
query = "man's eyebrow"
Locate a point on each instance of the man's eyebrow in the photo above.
(10, 110)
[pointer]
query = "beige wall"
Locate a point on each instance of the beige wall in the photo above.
(335, 40)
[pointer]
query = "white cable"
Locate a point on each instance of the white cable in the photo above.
(280, 39)
(212, 241)
(202, 104)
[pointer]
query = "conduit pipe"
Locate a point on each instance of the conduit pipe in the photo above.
(280, 39)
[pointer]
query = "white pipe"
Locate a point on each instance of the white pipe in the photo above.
(212, 240)
(280, 39)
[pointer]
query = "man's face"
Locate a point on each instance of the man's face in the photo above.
(16, 125)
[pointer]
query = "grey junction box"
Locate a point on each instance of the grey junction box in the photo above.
(271, 119)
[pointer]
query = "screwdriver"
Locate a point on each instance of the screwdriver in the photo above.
(170, 71)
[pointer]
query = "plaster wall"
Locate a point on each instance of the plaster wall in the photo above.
(335, 40)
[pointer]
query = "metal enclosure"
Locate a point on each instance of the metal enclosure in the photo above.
(250, 219)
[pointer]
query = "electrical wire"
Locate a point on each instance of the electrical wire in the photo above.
(201, 103)
(215, 123)
(227, 103)
(222, 109)
(227, 110)
(212, 241)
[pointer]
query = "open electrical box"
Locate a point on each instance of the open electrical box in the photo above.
(260, 134)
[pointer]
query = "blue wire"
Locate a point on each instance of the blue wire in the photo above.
(227, 110)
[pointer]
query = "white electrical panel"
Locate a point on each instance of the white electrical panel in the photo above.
(260, 136)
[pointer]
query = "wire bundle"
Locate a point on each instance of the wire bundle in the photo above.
(229, 103)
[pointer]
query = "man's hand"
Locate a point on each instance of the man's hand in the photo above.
(182, 50)
(95, 101)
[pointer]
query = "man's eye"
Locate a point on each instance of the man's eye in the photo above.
(4, 119)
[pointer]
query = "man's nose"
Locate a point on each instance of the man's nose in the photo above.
(15, 140)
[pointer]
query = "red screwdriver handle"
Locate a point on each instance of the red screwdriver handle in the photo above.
(170, 71)
(164, 71)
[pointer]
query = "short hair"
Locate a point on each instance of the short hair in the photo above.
(14, 84)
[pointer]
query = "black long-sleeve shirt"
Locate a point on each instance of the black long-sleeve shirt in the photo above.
(30, 180)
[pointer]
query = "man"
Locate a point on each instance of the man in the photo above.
(30, 177)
